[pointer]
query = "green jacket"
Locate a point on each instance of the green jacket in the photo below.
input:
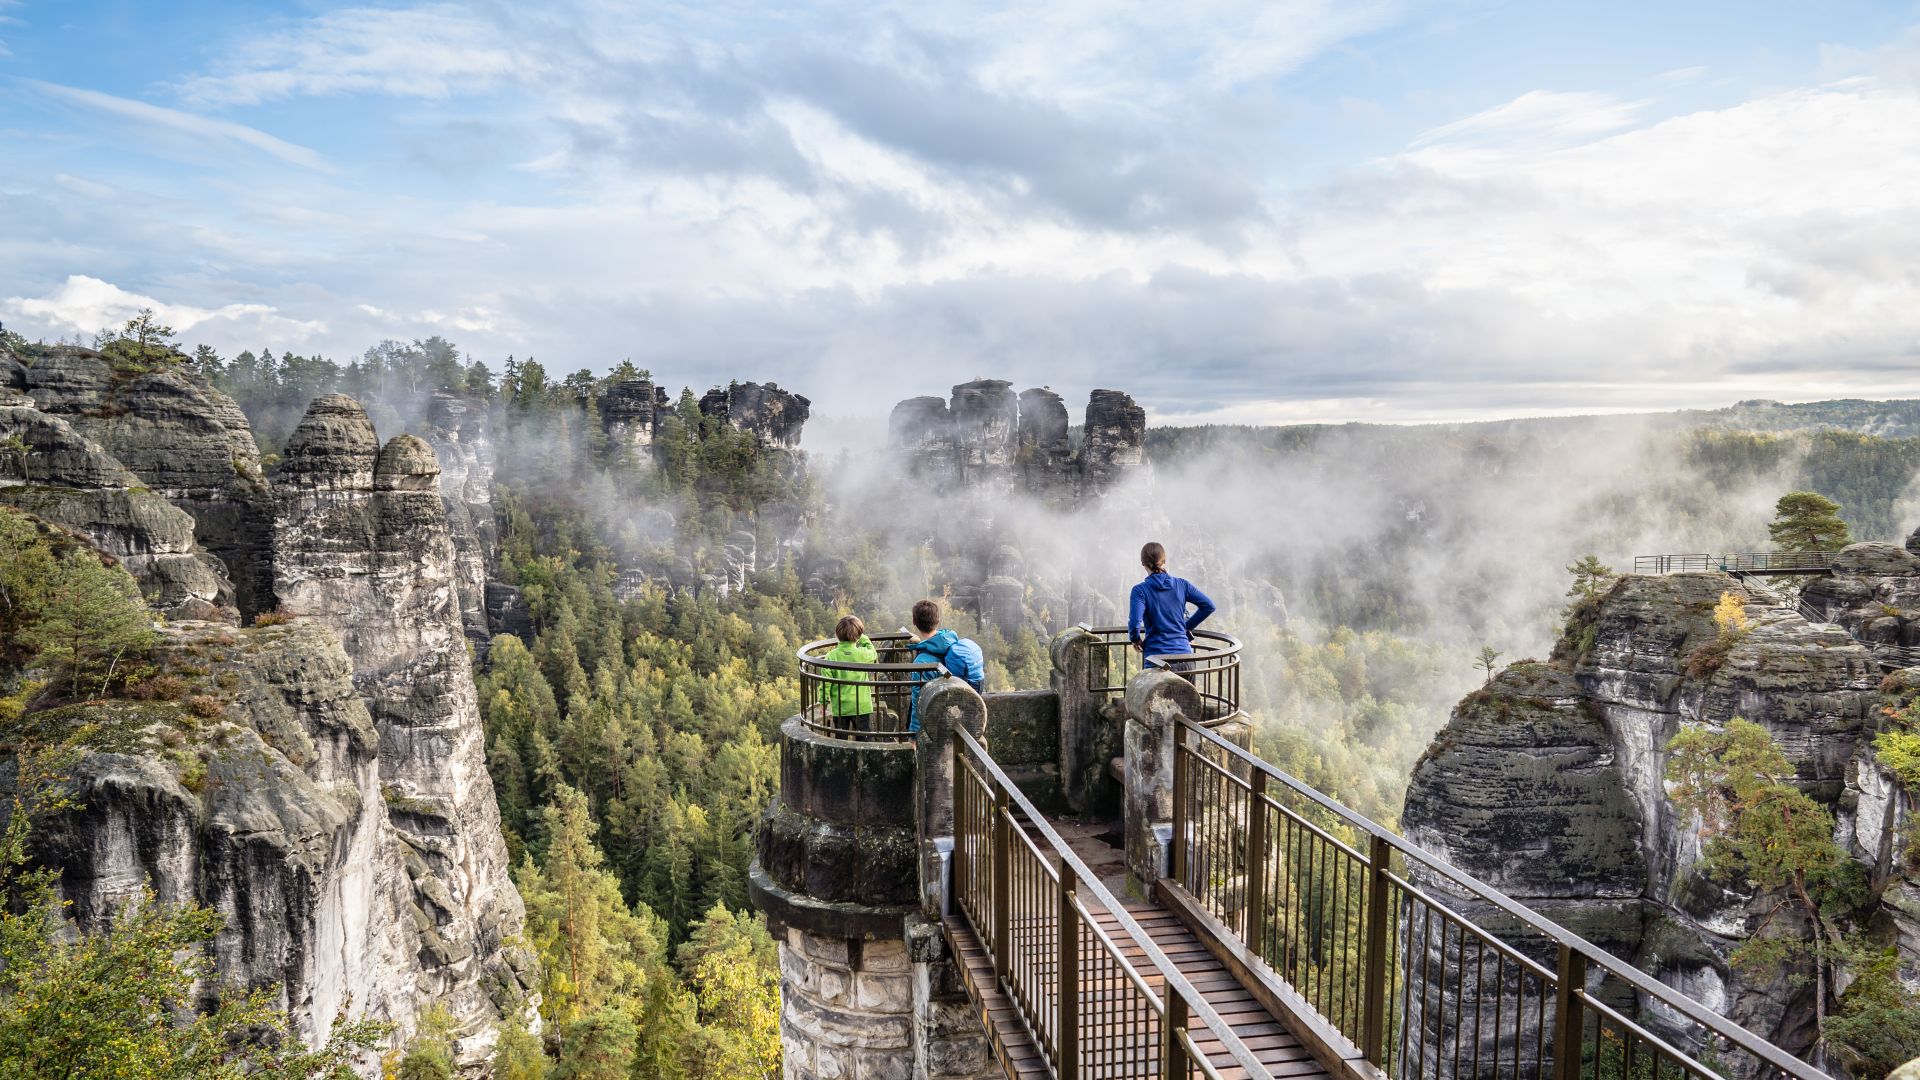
(843, 698)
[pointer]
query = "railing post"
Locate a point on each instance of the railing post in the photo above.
(1178, 856)
(1568, 1030)
(1374, 1004)
(1173, 1023)
(1002, 880)
(1255, 933)
(1067, 989)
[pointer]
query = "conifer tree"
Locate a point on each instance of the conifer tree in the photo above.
(1807, 521)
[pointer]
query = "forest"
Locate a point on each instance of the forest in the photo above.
(631, 733)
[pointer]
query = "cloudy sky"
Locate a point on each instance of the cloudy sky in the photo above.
(1261, 211)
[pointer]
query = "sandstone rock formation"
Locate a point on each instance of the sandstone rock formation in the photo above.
(773, 415)
(457, 428)
(1549, 783)
(630, 411)
(362, 546)
(51, 471)
(993, 440)
(269, 812)
(1874, 591)
(185, 440)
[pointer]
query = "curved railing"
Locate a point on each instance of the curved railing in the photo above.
(1426, 970)
(1213, 667)
(861, 702)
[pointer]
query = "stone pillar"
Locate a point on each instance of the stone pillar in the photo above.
(1089, 729)
(867, 989)
(946, 703)
(1155, 700)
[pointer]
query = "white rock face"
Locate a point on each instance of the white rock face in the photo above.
(284, 833)
(361, 545)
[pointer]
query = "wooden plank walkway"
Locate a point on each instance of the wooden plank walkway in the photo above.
(1270, 1039)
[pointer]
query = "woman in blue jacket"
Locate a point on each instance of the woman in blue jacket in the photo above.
(1157, 619)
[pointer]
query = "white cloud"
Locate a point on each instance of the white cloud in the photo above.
(1537, 118)
(203, 128)
(85, 304)
(431, 51)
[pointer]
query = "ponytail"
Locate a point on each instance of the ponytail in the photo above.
(1153, 557)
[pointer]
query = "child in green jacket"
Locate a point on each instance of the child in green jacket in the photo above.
(849, 702)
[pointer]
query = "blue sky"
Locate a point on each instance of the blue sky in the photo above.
(1259, 211)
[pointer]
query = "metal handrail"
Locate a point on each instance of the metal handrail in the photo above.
(833, 691)
(1569, 942)
(1175, 985)
(1213, 667)
(1737, 562)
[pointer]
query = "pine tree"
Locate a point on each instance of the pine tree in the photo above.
(1807, 521)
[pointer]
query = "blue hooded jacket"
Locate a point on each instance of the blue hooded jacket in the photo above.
(1157, 614)
(958, 656)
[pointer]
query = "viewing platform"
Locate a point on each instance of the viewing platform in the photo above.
(1100, 879)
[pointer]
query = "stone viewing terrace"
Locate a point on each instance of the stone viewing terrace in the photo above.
(1099, 879)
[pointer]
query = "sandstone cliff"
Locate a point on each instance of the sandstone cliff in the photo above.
(261, 799)
(188, 442)
(51, 471)
(1549, 783)
(361, 546)
(994, 440)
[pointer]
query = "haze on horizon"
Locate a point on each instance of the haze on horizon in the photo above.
(1248, 212)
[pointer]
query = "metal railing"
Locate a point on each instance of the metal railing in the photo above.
(862, 702)
(1092, 1009)
(1372, 933)
(1738, 562)
(1213, 667)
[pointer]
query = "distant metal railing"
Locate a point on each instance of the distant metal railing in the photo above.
(1370, 931)
(1738, 562)
(862, 702)
(1090, 1006)
(1213, 667)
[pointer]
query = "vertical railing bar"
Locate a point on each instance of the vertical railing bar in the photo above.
(1002, 827)
(1375, 1007)
(1570, 983)
(1182, 813)
(1460, 998)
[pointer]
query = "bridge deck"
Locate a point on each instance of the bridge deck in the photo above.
(1269, 1037)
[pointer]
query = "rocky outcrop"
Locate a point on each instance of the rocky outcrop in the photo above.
(259, 797)
(1874, 592)
(1116, 440)
(51, 471)
(362, 546)
(188, 442)
(1549, 784)
(458, 429)
(630, 412)
(993, 440)
(772, 415)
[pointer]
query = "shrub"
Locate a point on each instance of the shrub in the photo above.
(206, 706)
(276, 617)
(167, 687)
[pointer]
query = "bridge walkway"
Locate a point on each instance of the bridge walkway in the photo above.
(1271, 1038)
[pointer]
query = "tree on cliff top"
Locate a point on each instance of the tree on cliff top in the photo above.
(1807, 521)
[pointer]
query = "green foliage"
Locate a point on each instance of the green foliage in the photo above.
(1488, 660)
(1877, 1026)
(63, 608)
(1807, 521)
(1766, 832)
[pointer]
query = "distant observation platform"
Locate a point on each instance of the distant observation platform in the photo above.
(1739, 563)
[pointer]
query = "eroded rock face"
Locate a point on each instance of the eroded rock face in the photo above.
(993, 440)
(269, 812)
(1874, 592)
(773, 415)
(630, 411)
(362, 546)
(1550, 786)
(1116, 440)
(185, 440)
(50, 470)
(458, 429)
